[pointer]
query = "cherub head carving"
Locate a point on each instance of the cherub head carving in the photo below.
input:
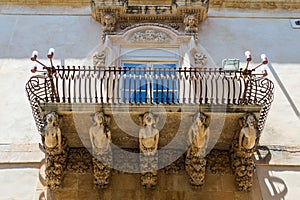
(109, 19)
(190, 20)
(51, 119)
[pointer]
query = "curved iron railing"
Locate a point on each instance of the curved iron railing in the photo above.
(149, 86)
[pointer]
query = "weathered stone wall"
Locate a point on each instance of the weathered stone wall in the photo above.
(256, 4)
(73, 3)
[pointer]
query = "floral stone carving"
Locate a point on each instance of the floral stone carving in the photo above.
(150, 36)
(100, 137)
(195, 162)
(56, 150)
(148, 144)
(243, 147)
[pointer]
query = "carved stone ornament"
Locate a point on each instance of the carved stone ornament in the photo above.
(195, 163)
(79, 161)
(99, 59)
(150, 36)
(56, 150)
(190, 21)
(200, 60)
(100, 137)
(148, 144)
(243, 147)
(109, 22)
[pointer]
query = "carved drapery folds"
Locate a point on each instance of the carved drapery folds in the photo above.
(198, 136)
(243, 147)
(148, 144)
(56, 150)
(100, 137)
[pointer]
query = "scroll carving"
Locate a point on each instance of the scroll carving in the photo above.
(150, 36)
(148, 144)
(195, 163)
(56, 150)
(243, 147)
(100, 137)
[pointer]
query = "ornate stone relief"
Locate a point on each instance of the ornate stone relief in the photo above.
(148, 144)
(79, 161)
(195, 163)
(99, 59)
(200, 60)
(56, 150)
(109, 22)
(150, 35)
(191, 23)
(100, 137)
(243, 147)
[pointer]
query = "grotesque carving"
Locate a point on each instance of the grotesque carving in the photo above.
(243, 147)
(100, 137)
(56, 150)
(198, 136)
(200, 60)
(191, 23)
(148, 142)
(99, 59)
(109, 21)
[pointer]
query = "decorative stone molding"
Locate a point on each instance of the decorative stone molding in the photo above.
(243, 147)
(79, 161)
(191, 23)
(200, 60)
(148, 145)
(195, 162)
(100, 137)
(150, 35)
(99, 59)
(56, 149)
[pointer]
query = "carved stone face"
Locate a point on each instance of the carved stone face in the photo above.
(51, 119)
(250, 120)
(99, 118)
(148, 119)
(199, 118)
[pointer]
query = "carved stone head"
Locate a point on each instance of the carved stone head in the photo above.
(249, 119)
(190, 20)
(51, 119)
(149, 119)
(200, 118)
(109, 19)
(100, 118)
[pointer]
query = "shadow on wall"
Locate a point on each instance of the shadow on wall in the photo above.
(272, 187)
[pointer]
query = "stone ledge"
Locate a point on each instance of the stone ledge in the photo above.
(256, 4)
(277, 155)
(20, 153)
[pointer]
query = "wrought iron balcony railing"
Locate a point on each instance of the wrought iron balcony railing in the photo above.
(149, 86)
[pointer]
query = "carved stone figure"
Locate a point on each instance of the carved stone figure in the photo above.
(243, 147)
(109, 21)
(200, 60)
(198, 137)
(148, 135)
(100, 137)
(99, 59)
(56, 150)
(249, 132)
(148, 142)
(191, 23)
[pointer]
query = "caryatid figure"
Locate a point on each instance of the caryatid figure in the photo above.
(148, 135)
(52, 133)
(249, 132)
(198, 135)
(100, 135)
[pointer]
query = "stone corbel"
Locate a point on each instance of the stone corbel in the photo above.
(243, 147)
(100, 137)
(56, 150)
(148, 144)
(195, 162)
